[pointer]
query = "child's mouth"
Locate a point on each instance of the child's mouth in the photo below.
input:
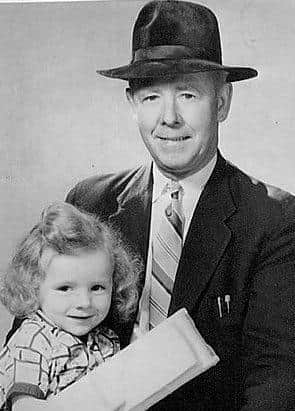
(76, 317)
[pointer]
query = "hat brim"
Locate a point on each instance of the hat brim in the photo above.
(166, 67)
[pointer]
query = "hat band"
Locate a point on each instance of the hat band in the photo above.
(166, 52)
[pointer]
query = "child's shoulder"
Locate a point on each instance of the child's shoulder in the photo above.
(34, 334)
(38, 329)
(27, 346)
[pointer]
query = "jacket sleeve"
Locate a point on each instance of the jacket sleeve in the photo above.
(269, 330)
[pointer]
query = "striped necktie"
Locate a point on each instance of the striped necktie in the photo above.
(166, 250)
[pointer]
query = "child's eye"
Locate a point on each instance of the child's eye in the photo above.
(64, 288)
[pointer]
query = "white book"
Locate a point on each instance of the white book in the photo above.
(144, 372)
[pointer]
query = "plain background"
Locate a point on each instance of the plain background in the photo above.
(61, 122)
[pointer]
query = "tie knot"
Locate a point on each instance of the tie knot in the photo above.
(175, 188)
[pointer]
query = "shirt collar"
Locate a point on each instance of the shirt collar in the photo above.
(195, 181)
(90, 336)
(41, 315)
(160, 183)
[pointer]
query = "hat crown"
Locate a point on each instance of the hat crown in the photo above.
(172, 37)
(178, 23)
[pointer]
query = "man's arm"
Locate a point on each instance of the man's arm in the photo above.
(269, 329)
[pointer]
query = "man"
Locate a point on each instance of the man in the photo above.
(213, 240)
(236, 265)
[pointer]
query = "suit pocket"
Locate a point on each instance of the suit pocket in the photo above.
(221, 317)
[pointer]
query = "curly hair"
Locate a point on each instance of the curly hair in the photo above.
(67, 230)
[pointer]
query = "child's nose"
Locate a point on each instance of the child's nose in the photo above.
(83, 299)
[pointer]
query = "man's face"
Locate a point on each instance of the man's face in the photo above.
(178, 120)
(77, 291)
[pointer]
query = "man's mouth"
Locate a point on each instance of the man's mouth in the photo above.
(173, 139)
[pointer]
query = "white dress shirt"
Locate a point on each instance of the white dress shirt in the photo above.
(192, 188)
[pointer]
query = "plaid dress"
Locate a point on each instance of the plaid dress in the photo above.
(41, 359)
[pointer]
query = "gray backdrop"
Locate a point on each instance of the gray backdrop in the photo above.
(61, 122)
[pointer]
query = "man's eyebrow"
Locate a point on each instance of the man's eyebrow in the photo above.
(179, 87)
(149, 89)
(189, 86)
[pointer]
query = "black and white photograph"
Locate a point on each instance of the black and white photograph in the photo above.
(147, 205)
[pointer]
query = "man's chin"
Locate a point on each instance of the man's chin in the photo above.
(176, 169)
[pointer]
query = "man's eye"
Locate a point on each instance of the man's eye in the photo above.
(97, 287)
(188, 96)
(150, 98)
(64, 288)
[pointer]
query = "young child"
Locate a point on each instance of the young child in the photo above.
(67, 276)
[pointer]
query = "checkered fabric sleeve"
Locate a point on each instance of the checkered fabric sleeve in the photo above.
(24, 364)
(41, 359)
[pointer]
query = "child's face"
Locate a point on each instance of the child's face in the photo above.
(77, 291)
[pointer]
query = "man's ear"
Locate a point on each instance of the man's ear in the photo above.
(223, 101)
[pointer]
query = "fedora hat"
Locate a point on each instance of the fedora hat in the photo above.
(172, 37)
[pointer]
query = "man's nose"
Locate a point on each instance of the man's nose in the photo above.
(83, 299)
(170, 113)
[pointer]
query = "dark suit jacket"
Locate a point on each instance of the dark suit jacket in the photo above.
(241, 242)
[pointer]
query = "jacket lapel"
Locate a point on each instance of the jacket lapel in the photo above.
(134, 210)
(132, 217)
(206, 240)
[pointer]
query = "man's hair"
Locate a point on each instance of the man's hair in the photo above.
(218, 77)
(68, 231)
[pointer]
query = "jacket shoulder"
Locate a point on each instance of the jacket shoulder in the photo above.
(257, 196)
(97, 194)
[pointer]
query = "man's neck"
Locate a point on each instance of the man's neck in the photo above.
(200, 175)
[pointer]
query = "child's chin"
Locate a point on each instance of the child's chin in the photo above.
(80, 328)
(79, 331)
